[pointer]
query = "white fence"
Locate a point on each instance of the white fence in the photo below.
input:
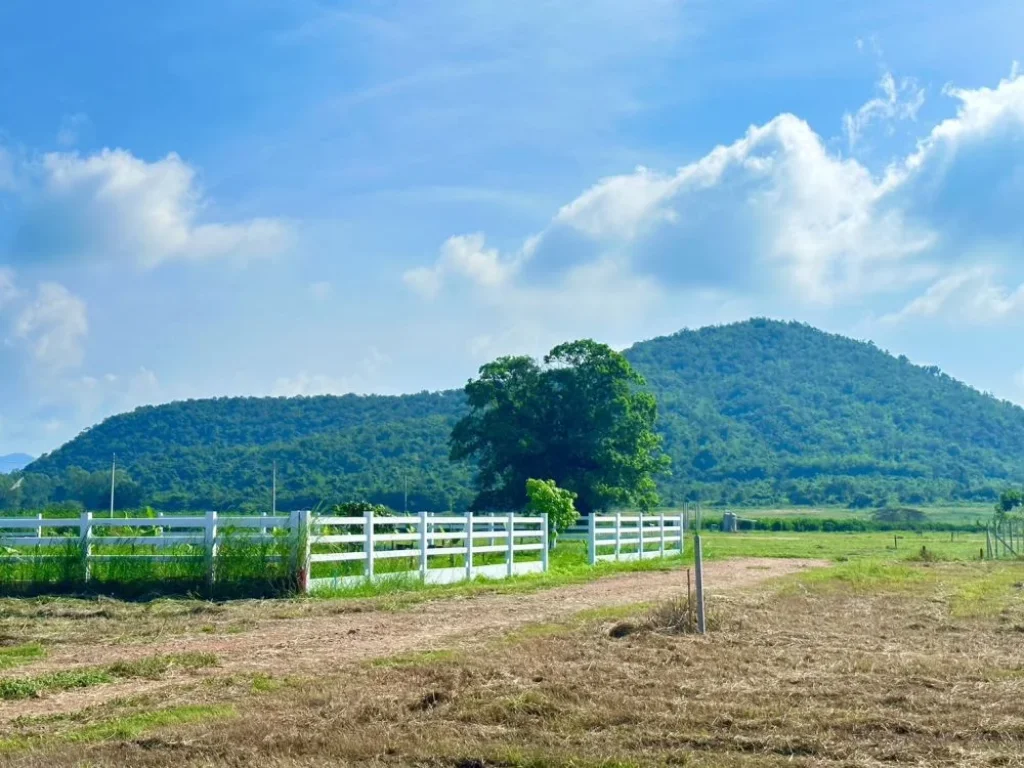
(491, 546)
(322, 551)
(435, 548)
(635, 536)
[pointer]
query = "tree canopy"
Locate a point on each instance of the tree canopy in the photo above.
(581, 417)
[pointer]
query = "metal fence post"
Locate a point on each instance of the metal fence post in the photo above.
(511, 556)
(469, 546)
(85, 535)
(698, 563)
(544, 535)
(368, 530)
(682, 532)
(424, 543)
(210, 539)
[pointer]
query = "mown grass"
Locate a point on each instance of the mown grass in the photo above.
(120, 728)
(870, 662)
(16, 655)
(152, 667)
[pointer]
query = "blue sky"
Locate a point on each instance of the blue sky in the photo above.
(302, 196)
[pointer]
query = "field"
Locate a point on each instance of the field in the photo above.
(826, 649)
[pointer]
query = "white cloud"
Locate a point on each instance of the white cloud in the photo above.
(464, 256)
(972, 295)
(54, 327)
(900, 100)
(777, 213)
(308, 384)
(115, 205)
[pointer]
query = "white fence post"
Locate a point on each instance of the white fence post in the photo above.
(211, 547)
(469, 545)
(368, 526)
(640, 534)
(85, 534)
(618, 535)
(661, 535)
(544, 534)
(511, 530)
(682, 532)
(39, 528)
(305, 549)
(424, 543)
(592, 537)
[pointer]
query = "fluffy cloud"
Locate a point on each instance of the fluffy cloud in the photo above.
(464, 256)
(777, 213)
(113, 205)
(54, 326)
(973, 295)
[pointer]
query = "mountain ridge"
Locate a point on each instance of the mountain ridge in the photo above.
(754, 412)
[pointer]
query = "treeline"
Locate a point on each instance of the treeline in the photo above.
(800, 524)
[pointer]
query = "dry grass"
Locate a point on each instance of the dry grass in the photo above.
(860, 668)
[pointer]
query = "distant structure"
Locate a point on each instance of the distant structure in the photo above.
(730, 522)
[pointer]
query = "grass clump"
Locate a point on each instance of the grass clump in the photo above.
(152, 667)
(16, 655)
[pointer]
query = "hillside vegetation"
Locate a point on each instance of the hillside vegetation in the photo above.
(759, 412)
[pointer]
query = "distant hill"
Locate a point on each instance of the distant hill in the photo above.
(756, 412)
(13, 462)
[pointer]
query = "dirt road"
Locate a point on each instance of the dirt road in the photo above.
(307, 645)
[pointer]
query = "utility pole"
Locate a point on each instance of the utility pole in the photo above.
(273, 491)
(113, 470)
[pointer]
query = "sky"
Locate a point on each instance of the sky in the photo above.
(283, 197)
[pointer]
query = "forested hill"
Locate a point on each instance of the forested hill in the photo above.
(756, 412)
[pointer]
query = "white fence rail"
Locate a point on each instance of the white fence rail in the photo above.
(492, 546)
(370, 546)
(324, 551)
(636, 536)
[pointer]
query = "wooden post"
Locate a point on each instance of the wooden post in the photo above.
(424, 544)
(544, 535)
(469, 546)
(592, 537)
(210, 538)
(698, 567)
(510, 557)
(85, 535)
(368, 546)
(618, 535)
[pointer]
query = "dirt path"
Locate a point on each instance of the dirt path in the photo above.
(307, 645)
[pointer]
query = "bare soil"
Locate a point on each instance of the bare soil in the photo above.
(282, 639)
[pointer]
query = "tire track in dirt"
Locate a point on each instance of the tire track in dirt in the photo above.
(308, 645)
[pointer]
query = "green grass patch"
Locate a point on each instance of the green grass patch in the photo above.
(152, 668)
(16, 655)
(129, 726)
(863, 576)
(989, 594)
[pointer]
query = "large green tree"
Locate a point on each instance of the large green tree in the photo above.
(580, 417)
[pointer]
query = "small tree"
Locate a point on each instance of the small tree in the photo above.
(1009, 500)
(544, 497)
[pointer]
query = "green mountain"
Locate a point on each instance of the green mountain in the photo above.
(756, 412)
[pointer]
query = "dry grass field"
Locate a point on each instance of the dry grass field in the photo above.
(863, 663)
